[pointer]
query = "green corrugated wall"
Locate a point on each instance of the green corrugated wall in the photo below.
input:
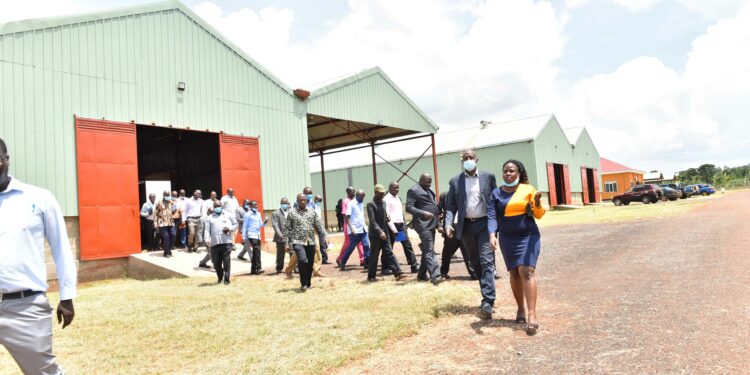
(449, 165)
(552, 146)
(127, 68)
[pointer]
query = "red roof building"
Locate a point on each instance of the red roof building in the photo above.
(616, 178)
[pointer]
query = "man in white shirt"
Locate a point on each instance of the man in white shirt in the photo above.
(230, 205)
(355, 218)
(395, 210)
(147, 219)
(28, 216)
(192, 213)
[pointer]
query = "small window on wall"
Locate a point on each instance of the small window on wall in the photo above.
(610, 187)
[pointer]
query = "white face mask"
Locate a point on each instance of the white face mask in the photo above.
(470, 165)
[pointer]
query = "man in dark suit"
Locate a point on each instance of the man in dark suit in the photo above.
(468, 196)
(278, 219)
(420, 203)
(451, 244)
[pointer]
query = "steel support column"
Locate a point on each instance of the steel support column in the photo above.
(323, 180)
(374, 166)
(434, 167)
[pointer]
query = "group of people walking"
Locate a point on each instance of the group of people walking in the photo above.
(475, 216)
(179, 222)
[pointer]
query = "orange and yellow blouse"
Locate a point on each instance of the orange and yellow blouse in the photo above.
(506, 213)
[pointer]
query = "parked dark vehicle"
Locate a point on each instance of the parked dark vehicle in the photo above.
(671, 194)
(648, 193)
(706, 189)
(691, 190)
(682, 188)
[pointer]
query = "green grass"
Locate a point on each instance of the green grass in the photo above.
(256, 325)
(610, 213)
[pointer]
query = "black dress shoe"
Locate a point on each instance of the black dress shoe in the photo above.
(372, 279)
(386, 272)
(446, 276)
(438, 280)
(241, 258)
(226, 282)
(326, 262)
(203, 265)
(422, 278)
(485, 311)
(415, 268)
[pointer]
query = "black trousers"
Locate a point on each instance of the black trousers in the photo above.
(149, 235)
(323, 250)
(450, 245)
(411, 257)
(388, 259)
(252, 247)
(167, 239)
(280, 253)
(305, 257)
(220, 257)
(429, 260)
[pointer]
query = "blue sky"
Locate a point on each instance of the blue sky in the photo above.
(659, 84)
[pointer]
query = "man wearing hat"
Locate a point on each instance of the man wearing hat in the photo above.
(377, 213)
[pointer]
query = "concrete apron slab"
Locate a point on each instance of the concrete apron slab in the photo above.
(153, 265)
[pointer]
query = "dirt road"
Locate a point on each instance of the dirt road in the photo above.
(653, 296)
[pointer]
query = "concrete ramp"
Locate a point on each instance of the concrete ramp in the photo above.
(153, 265)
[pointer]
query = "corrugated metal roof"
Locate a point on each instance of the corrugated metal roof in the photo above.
(609, 166)
(573, 134)
(51, 22)
(495, 134)
(386, 103)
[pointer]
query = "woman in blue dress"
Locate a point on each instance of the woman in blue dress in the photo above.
(512, 213)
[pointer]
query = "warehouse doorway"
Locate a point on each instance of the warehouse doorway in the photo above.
(590, 185)
(558, 182)
(113, 157)
(187, 159)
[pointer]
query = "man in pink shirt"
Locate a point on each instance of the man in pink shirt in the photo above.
(349, 196)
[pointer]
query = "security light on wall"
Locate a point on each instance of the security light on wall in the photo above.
(181, 86)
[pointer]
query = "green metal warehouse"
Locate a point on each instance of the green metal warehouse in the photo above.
(564, 162)
(92, 105)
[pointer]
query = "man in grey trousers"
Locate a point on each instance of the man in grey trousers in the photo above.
(278, 220)
(28, 216)
(220, 228)
(420, 203)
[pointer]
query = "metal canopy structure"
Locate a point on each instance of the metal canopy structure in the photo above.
(326, 133)
(364, 110)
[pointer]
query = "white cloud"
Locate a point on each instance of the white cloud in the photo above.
(653, 117)
(714, 9)
(492, 60)
(262, 34)
(504, 57)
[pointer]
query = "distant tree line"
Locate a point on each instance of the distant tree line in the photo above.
(711, 174)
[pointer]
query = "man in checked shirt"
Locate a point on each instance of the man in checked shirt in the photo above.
(300, 228)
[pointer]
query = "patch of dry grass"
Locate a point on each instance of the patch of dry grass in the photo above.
(610, 213)
(256, 325)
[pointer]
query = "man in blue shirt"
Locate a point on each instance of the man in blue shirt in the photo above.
(251, 224)
(355, 217)
(28, 216)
